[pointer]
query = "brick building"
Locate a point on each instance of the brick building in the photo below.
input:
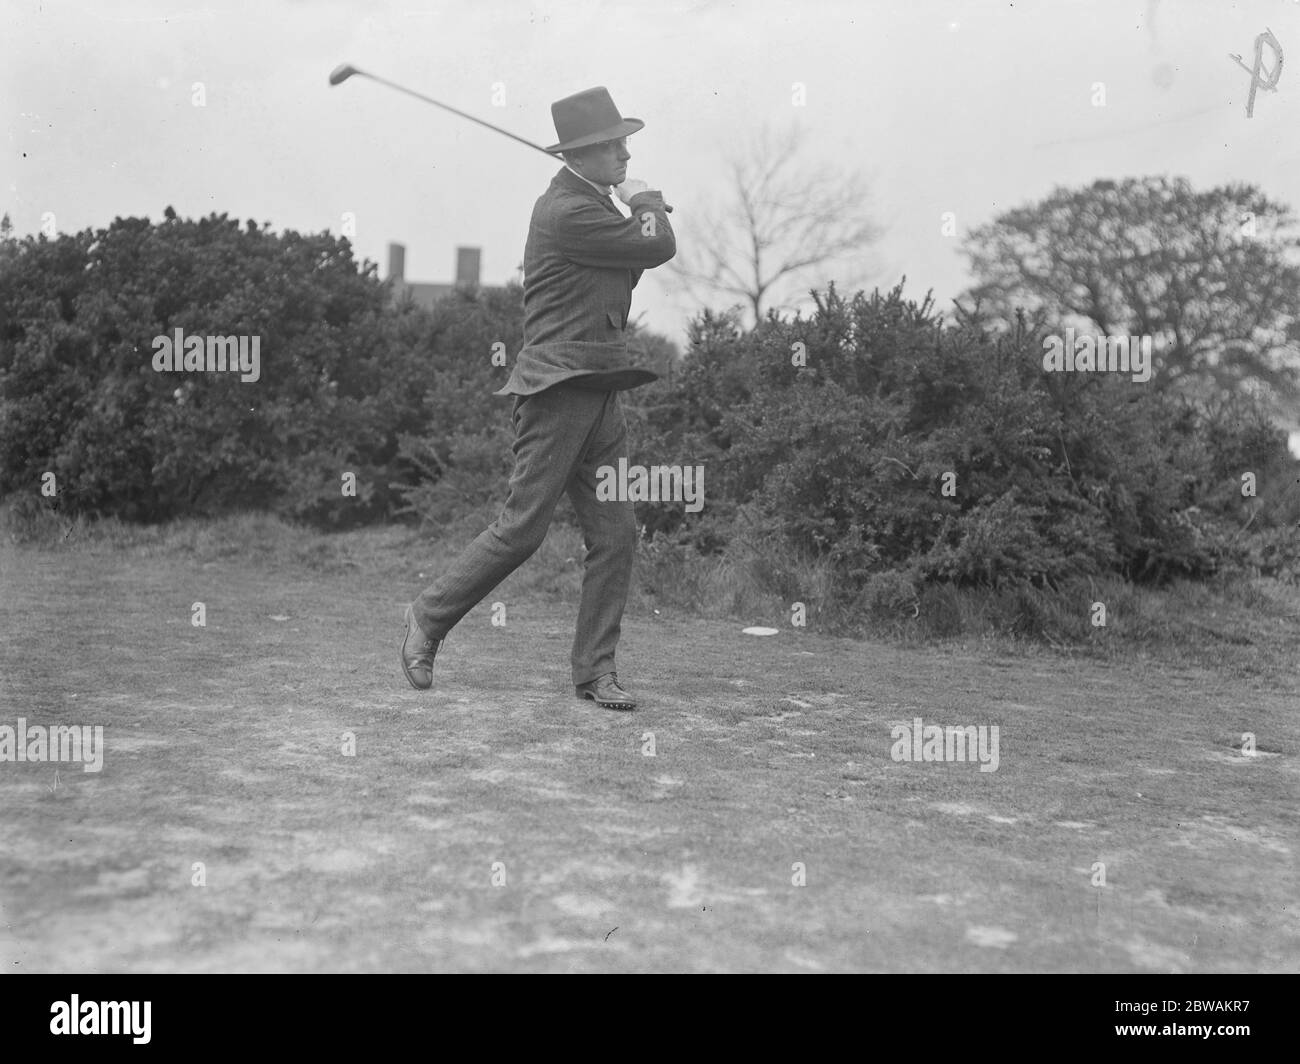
(425, 294)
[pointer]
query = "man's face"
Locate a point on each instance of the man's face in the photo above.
(604, 163)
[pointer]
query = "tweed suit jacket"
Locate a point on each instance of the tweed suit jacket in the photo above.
(581, 262)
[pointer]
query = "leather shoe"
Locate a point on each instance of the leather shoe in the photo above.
(606, 692)
(418, 652)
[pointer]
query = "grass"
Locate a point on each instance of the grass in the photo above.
(497, 823)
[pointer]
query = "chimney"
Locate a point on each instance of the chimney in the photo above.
(467, 265)
(397, 262)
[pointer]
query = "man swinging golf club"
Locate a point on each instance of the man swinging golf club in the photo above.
(581, 262)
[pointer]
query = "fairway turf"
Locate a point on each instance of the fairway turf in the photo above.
(224, 750)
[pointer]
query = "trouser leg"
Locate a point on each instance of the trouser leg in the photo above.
(609, 533)
(553, 430)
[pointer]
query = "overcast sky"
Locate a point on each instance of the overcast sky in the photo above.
(968, 106)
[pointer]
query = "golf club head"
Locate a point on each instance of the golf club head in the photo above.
(342, 73)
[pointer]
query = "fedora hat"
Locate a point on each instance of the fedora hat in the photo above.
(589, 117)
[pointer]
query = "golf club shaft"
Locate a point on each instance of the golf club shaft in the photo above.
(354, 71)
(453, 110)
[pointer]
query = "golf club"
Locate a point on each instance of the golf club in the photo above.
(341, 73)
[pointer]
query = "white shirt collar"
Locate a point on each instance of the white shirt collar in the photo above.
(603, 190)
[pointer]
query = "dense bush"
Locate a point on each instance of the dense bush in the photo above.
(1057, 477)
(455, 460)
(826, 441)
(79, 396)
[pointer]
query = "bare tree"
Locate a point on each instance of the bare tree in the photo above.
(785, 220)
(1213, 276)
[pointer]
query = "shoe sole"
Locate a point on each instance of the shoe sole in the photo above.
(624, 706)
